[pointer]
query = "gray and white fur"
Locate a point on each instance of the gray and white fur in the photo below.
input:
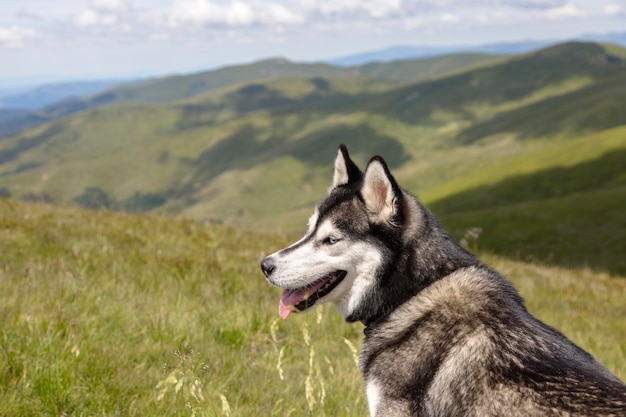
(444, 334)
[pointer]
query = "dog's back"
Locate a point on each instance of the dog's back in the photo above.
(466, 346)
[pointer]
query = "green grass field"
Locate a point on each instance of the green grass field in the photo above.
(109, 314)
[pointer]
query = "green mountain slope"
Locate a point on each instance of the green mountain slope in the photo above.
(520, 131)
(174, 88)
(580, 230)
(407, 71)
(593, 107)
(482, 93)
(562, 203)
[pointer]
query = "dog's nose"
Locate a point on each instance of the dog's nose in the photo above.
(267, 266)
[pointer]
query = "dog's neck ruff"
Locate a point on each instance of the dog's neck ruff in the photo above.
(372, 321)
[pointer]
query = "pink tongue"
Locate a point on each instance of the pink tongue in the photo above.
(292, 297)
(284, 310)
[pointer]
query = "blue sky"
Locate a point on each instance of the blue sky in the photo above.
(110, 38)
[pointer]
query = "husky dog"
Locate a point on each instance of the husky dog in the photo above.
(444, 334)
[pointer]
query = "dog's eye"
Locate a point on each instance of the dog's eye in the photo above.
(331, 240)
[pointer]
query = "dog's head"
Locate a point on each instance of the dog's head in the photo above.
(349, 241)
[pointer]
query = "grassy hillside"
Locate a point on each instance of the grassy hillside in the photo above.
(107, 313)
(174, 88)
(412, 70)
(589, 108)
(528, 130)
(515, 83)
(578, 230)
(567, 194)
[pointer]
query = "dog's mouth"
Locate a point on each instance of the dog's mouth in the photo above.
(300, 299)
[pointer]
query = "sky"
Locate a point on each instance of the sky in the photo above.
(91, 39)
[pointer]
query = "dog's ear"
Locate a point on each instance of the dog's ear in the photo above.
(380, 191)
(346, 171)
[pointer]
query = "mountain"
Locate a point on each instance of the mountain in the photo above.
(9, 114)
(47, 94)
(180, 87)
(392, 53)
(412, 70)
(618, 38)
(405, 52)
(576, 75)
(523, 147)
(30, 106)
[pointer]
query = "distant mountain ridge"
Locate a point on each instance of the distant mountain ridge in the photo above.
(47, 94)
(403, 52)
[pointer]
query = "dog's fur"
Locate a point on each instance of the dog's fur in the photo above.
(445, 335)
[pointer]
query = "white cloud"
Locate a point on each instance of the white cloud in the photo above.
(237, 14)
(413, 23)
(150, 19)
(383, 8)
(372, 8)
(207, 12)
(92, 18)
(613, 9)
(14, 36)
(564, 12)
(135, 22)
(535, 4)
(280, 14)
(450, 18)
(103, 13)
(234, 14)
(109, 5)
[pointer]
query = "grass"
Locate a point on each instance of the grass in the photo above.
(109, 314)
(114, 314)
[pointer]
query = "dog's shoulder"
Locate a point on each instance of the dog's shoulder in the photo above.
(444, 314)
(466, 294)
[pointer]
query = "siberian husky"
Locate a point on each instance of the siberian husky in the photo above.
(444, 334)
